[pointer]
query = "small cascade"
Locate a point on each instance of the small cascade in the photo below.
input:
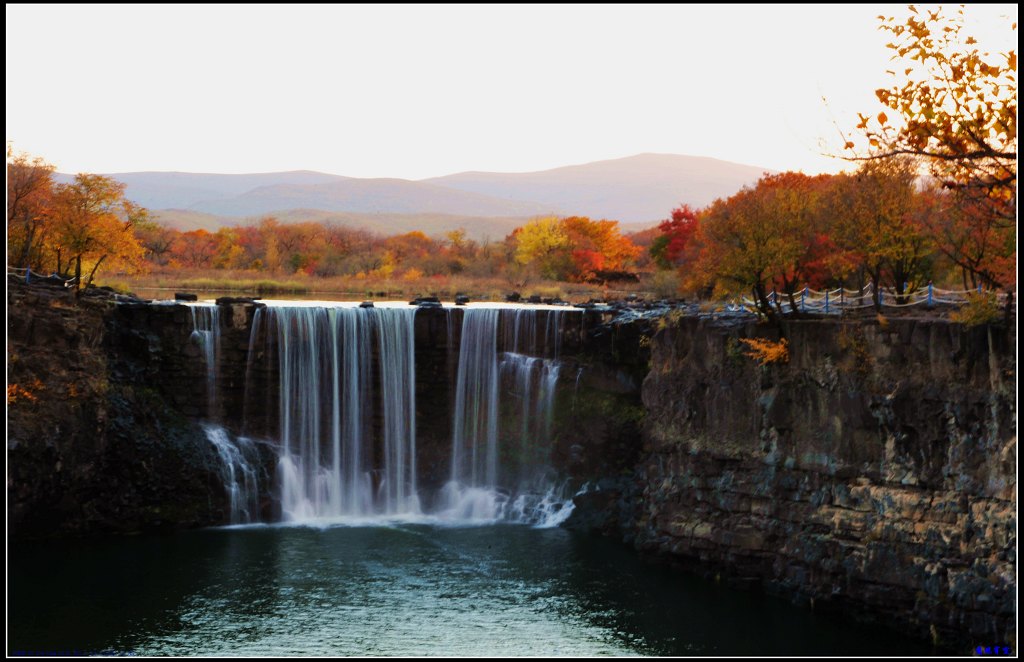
(331, 363)
(504, 418)
(239, 461)
(529, 383)
(545, 506)
(206, 332)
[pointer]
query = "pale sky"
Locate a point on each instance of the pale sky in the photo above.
(421, 91)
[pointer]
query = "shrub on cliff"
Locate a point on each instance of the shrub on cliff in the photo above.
(766, 351)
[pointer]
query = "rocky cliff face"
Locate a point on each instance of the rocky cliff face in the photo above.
(874, 472)
(93, 444)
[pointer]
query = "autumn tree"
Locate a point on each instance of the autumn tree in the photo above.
(764, 237)
(596, 247)
(230, 252)
(735, 254)
(669, 247)
(954, 107)
(542, 244)
(878, 223)
(409, 246)
(196, 248)
(157, 241)
(980, 245)
(92, 225)
(644, 240)
(461, 251)
(573, 248)
(29, 207)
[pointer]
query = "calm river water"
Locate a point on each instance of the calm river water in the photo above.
(406, 589)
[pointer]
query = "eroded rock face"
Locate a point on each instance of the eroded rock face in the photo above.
(93, 444)
(875, 472)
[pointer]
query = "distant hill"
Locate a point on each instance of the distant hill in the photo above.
(397, 196)
(644, 187)
(182, 190)
(636, 189)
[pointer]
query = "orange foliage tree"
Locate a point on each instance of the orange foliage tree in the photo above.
(954, 106)
(596, 247)
(29, 206)
(92, 224)
(878, 222)
(573, 248)
(765, 237)
(974, 239)
(196, 248)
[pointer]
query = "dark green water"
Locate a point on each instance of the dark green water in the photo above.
(397, 590)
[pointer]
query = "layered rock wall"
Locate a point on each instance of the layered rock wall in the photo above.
(98, 436)
(874, 472)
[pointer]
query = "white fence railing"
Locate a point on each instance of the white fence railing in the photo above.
(834, 302)
(30, 275)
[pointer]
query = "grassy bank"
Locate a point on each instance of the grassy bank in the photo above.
(253, 284)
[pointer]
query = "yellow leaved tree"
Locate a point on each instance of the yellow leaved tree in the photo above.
(92, 225)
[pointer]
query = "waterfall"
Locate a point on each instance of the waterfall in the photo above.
(341, 405)
(475, 423)
(530, 385)
(396, 333)
(238, 455)
(330, 464)
(239, 459)
(504, 408)
(206, 332)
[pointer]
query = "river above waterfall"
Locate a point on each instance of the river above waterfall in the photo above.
(406, 589)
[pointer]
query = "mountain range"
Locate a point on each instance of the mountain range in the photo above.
(636, 190)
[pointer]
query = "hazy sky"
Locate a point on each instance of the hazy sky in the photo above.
(420, 91)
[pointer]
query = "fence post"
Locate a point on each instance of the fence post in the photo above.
(28, 275)
(930, 295)
(826, 302)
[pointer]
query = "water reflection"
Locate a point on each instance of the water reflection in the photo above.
(406, 589)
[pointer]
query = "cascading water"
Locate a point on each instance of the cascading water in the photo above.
(239, 458)
(470, 493)
(344, 412)
(238, 455)
(206, 331)
(475, 436)
(531, 382)
(329, 462)
(493, 387)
